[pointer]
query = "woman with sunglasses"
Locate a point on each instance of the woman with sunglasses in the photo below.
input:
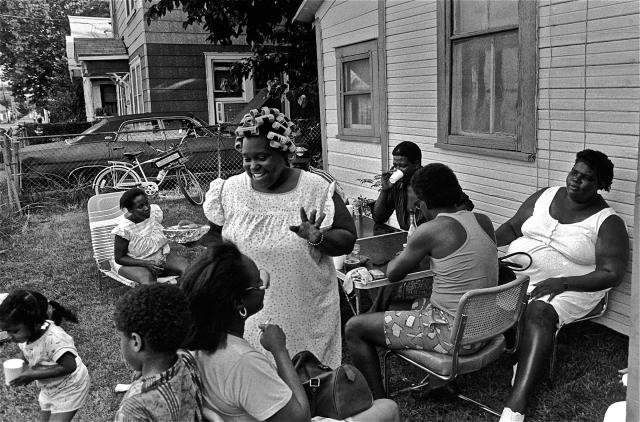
(224, 288)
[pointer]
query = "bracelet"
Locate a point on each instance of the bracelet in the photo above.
(318, 242)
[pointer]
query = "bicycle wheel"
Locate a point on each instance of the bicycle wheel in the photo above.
(114, 179)
(190, 186)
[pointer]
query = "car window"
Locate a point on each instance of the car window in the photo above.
(141, 131)
(176, 127)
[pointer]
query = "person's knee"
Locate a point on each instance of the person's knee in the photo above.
(354, 329)
(541, 315)
(388, 410)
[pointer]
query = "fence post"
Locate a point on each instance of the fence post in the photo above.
(15, 164)
(12, 192)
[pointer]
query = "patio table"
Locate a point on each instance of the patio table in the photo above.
(380, 243)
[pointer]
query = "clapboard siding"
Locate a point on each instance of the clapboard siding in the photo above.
(343, 23)
(588, 97)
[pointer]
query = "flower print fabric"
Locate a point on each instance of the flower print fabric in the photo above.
(303, 298)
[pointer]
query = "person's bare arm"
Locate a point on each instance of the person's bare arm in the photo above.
(612, 255)
(65, 365)
(338, 240)
(297, 409)
(418, 247)
(120, 248)
(384, 205)
(511, 229)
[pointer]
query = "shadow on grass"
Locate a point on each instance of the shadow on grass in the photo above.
(52, 254)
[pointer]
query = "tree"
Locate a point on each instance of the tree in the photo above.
(278, 44)
(32, 46)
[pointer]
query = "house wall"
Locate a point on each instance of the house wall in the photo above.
(172, 59)
(588, 97)
(343, 23)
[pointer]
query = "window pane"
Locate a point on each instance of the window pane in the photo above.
(485, 85)
(503, 13)
(471, 86)
(478, 15)
(506, 83)
(224, 84)
(357, 111)
(470, 15)
(357, 75)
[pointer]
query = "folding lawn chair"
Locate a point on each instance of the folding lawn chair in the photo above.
(104, 214)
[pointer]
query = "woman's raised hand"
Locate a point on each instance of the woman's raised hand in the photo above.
(309, 228)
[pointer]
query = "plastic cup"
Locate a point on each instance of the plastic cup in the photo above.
(397, 175)
(338, 261)
(12, 369)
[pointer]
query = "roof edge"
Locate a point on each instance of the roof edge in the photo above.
(307, 10)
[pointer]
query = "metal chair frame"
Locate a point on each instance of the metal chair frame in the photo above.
(458, 335)
(591, 315)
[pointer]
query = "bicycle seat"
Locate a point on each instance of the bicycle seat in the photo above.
(131, 155)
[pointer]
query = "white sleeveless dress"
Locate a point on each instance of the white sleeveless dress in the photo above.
(303, 297)
(561, 250)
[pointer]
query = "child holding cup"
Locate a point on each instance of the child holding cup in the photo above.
(52, 358)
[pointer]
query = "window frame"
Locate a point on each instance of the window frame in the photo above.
(349, 53)
(523, 145)
(211, 58)
(137, 96)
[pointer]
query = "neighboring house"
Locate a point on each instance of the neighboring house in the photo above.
(100, 60)
(176, 69)
(505, 96)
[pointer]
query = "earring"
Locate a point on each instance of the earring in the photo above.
(243, 312)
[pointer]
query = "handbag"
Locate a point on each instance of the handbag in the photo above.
(507, 269)
(333, 393)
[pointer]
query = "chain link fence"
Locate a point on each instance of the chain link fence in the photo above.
(62, 168)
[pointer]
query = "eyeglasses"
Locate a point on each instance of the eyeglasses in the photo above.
(265, 281)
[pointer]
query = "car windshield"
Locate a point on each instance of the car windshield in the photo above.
(93, 129)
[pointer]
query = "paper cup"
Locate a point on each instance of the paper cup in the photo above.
(397, 175)
(12, 369)
(338, 261)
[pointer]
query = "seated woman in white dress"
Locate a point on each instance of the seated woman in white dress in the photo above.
(224, 288)
(141, 250)
(579, 249)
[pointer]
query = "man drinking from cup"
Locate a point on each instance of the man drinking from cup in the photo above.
(395, 194)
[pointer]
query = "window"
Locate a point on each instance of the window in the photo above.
(141, 131)
(137, 103)
(358, 87)
(487, 76)
(226, 95)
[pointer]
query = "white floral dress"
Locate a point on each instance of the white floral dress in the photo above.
(146, 238)
(303, 298)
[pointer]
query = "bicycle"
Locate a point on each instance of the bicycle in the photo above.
(122, 175)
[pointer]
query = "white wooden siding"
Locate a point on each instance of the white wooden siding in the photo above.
(343, 23)
(588, 97)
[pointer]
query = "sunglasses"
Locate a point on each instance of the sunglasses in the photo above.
(265, 281)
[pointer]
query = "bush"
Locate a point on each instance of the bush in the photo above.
(50, 129)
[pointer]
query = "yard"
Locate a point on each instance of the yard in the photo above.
(51, 252)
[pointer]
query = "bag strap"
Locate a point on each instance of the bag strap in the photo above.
(514, 266)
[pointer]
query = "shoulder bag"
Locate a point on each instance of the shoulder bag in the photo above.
(333, 393)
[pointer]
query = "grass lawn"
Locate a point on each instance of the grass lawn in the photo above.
(52, 253)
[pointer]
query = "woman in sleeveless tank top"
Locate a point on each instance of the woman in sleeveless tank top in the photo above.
(462, 252)
(579, 249)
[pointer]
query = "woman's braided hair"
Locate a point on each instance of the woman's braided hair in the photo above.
(272, 124)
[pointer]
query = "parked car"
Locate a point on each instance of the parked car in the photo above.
(83, 155)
